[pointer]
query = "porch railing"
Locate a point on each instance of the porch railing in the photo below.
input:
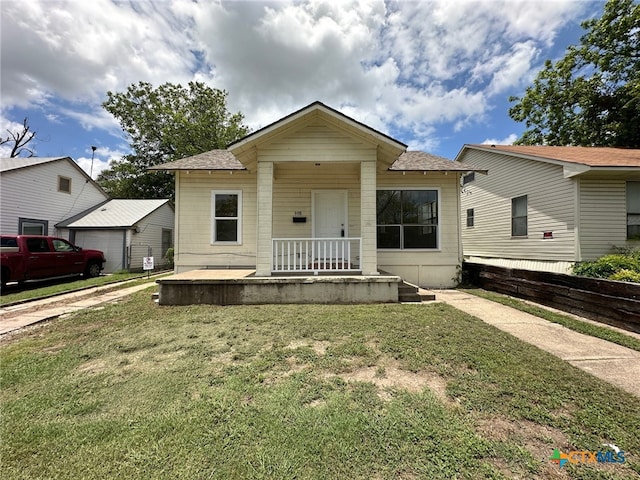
(316, 255)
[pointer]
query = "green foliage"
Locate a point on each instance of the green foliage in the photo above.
(163, 124)
(168, 258)
(625, 275)
(592, 95)
(608, 266)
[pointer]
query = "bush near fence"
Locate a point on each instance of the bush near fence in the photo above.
(607, 301)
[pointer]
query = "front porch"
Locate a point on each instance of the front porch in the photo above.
(243, 287)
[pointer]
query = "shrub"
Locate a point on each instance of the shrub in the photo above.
(168, 258)
(606, 266)
(626, 276)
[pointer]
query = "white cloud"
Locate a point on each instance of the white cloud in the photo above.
(102, 157)
(397, 66)
(505, 141)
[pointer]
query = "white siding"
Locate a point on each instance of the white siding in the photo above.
(427, 268)
(32, 192)
(110, 242)
(150, 236)
(603, 216)
(550, 205)
(193, 248)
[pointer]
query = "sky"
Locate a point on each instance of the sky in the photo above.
(433, 74)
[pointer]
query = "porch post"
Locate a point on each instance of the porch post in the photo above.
(265, 201)
(369, 259)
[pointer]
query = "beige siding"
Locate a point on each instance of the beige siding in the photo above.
(603, 217)
(427, 268)
(33, 193)
(292, 192)
(193, 214)
(550, 202)
(317, 143)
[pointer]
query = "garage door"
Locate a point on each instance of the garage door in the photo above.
(109, 241)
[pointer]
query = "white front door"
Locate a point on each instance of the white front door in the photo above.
(330, 214)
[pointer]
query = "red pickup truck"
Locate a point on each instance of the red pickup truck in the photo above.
(31, 257)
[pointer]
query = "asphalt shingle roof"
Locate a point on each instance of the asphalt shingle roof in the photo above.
(421, 161)
(590, 156)
(212, 160)
(15, 163)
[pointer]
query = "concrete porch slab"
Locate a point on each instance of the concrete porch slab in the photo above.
(242, 287)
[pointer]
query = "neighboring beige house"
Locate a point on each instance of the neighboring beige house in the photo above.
(126, 230)
(319, 192)
(545, 207)
(38, 192)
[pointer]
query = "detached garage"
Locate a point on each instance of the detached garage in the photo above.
(126, 231)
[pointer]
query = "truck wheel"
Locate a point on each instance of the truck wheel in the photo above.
(92, 270)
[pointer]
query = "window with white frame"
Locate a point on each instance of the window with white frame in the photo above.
(226, 208)
(407, 219)
(633, 210)
(519, 216)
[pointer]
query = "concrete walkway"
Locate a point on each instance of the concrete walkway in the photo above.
(608, 361)
(15, 317)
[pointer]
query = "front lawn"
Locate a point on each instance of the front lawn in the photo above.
(134, 390)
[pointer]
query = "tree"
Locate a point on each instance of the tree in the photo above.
(591, 96)
(165, 124)
(19, 140)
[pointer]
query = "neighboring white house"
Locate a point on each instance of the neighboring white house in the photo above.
(36, 193)
(319, 192)
(545, 207)
(126, 231)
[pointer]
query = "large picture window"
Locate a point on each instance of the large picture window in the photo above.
(226, 206)
(407, 219)
(519, 217)
(633, 210)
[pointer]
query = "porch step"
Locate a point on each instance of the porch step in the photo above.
(408, 292)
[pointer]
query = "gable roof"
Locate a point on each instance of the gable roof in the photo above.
(420, 161)
(574, 160)
(13, 164)
(16, 163)
(116, 213)
(589, 156)
(315, 108)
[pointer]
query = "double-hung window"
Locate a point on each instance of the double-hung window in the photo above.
(633, 210)
(519, 216)
(407, 219)
(226, 206)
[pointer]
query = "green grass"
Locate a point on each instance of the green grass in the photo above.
(59, 287)
(135, 390)
(564, 320)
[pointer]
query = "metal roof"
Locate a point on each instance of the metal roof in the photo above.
(116, 213)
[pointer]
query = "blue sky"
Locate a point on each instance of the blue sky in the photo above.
(432, 74)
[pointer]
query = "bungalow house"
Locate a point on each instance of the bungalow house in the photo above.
(38, 192)
(545, 207)
(126, 230)
(318, 192)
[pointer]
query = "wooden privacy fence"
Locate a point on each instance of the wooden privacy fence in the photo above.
(607, 301)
